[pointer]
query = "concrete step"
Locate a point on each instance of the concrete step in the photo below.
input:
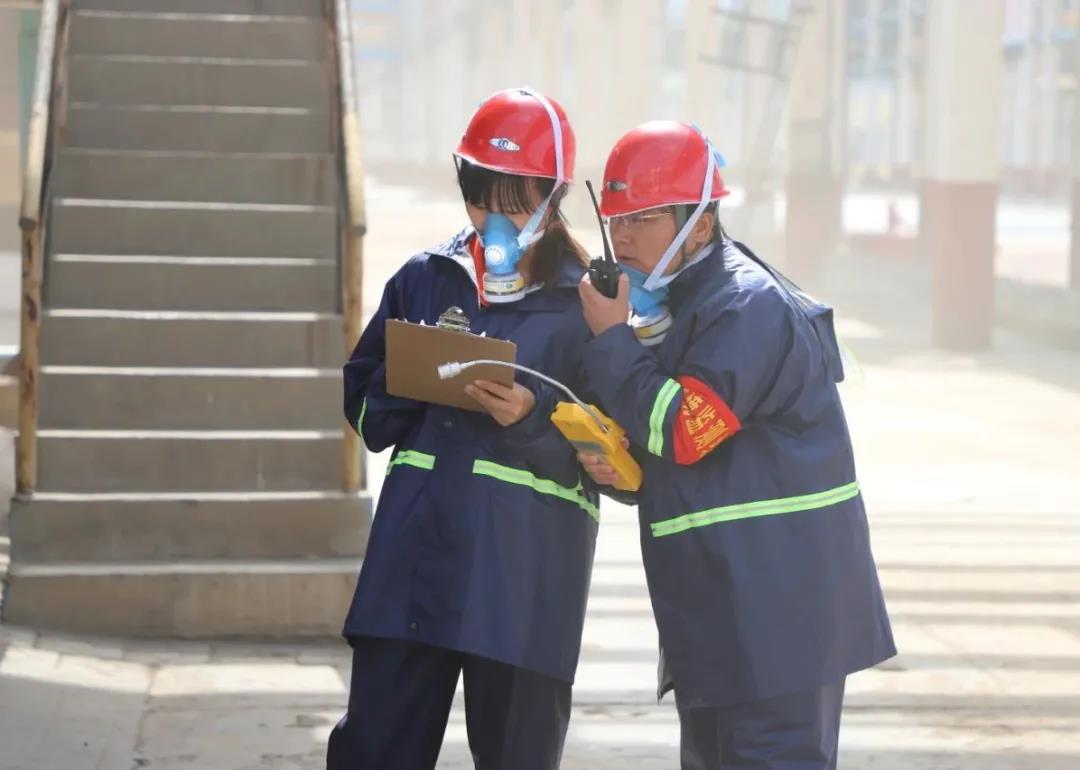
(96, 528)
(192, 283)
(207, 129)
(96, 226)
(200, 339)
(186, 81)
(256, 36)
(87, 397)
(306, 179)
(188, 600)
(311, 8)
(177, 461)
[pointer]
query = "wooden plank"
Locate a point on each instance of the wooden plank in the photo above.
(38, 137)
(26, 443)
(32, 226)
(352, 317)
(350, 123)
(352, 250)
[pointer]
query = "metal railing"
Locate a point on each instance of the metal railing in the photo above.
(32, 223)
(354, 215)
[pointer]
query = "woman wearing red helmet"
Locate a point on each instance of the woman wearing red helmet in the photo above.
(481, 548)
(753, 530)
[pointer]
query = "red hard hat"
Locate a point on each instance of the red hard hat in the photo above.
(660, 163)
(512, 131)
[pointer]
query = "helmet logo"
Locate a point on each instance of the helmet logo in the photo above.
(615, 186)
(503, 144)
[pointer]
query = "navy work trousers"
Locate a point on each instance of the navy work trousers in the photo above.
(399, 703)
(793, 732)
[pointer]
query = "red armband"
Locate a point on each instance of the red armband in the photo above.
(703, 423)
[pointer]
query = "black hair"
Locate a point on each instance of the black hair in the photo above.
(683, 211)
(508, 193)
(513, 194)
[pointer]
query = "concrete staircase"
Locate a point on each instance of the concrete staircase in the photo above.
(190, 428)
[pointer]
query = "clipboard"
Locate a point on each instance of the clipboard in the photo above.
(414, 353)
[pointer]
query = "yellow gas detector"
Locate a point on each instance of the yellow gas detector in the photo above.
(588, 429)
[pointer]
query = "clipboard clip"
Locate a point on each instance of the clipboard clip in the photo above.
(454, 319)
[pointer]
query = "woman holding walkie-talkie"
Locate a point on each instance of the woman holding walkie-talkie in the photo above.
(753, 530)
(481, 548)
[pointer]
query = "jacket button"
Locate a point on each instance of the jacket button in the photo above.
(414, 626)
(448, 424)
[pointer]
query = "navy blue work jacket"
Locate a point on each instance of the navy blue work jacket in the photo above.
(483, 536)
(757, 553)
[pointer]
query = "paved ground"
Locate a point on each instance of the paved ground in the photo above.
(971, 466)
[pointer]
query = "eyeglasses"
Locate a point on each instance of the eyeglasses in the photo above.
(636, 220)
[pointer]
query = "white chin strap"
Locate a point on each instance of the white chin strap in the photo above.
(532, 232)
(657, 278)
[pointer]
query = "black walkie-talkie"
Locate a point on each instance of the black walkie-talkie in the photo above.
(603, 272)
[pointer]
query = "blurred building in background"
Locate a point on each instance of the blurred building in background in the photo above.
(615, 62)
(821, 107)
